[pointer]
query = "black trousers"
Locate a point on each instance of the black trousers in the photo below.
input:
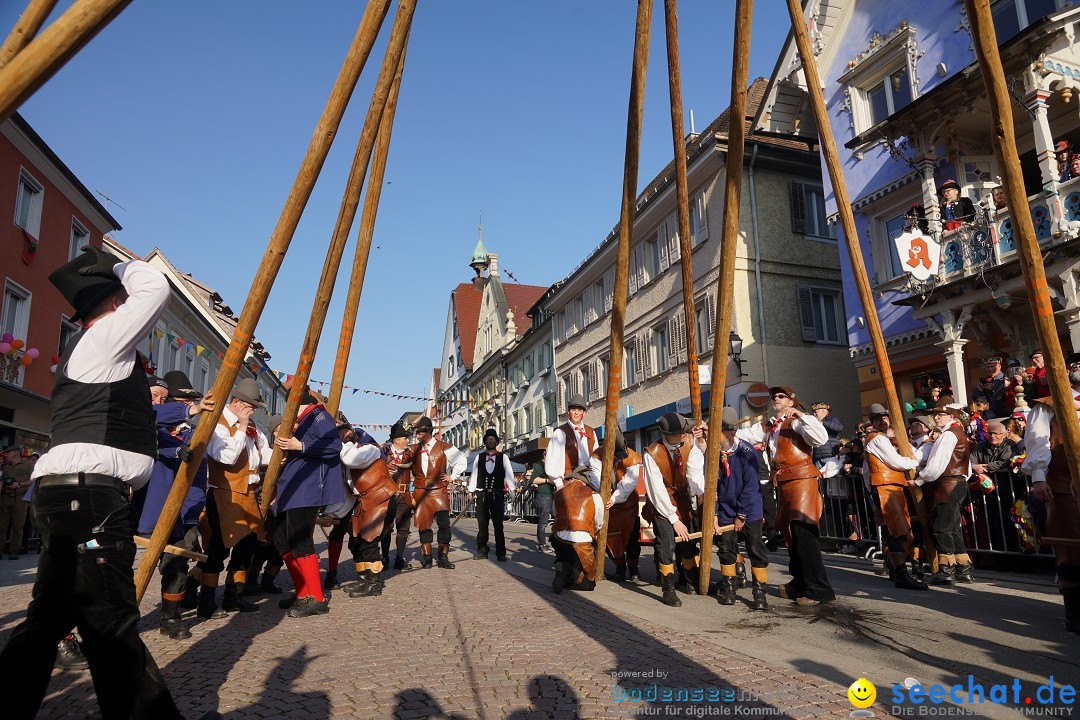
(92, 589)
(807, 569)
(727, 546)
(401, 520)
(174, 568)
(369, 550)
(543, 514)
(294, 531)
(239, 556)
(945, 525)
(490, 506)
(442, 520)
(565, 553)
(768, 507)
(666, 549)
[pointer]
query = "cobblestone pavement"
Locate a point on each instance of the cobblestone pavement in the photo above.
(474, 642)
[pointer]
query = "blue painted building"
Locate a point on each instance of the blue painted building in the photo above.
(909, 112)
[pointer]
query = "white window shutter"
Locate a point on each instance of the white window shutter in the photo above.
(710, 318)
(674, 249)
(703, 221)
(562, 395)
(806, 314)
(673, 340)
(646, 353)
(594, 381)
(640, 253)
(633, 279)
(609, 288)
(662, 239)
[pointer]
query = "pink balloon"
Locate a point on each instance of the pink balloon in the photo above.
(5, 347)
(7, 337)
(33, 352)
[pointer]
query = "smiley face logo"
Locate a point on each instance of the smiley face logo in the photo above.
(862, 693)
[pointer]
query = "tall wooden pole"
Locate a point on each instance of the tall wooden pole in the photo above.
(325, 131)
(622, 261)
(1027, 246)
(25, 29)
(31, 67)
(682, 192)
(380, 100)
(725, 283)
(363, 241)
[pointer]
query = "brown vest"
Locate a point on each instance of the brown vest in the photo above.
(794, 456)
(958, 463)
(401, 475)
(374, 476)
(574, 508)
(571, 436)
(1057, 472)
(235, 476)
(436, 466)
(674, 478)
(880, 473)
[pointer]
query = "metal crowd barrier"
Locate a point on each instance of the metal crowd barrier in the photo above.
(848, 516)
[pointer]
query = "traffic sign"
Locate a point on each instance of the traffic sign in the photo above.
(758, 395)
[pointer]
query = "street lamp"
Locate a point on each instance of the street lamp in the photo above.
(735, 350)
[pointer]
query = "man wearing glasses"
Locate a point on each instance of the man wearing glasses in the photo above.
(791, 436)
(1047, 464)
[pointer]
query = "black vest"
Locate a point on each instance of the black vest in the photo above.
(494, 481)
(117, 414)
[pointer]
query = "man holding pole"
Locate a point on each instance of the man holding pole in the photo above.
(1048, 467)
(571, 445)
(437, 463)
(791, 435)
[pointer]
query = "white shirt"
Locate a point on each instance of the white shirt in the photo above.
(555, 461)
(808, 426)
(226, 449)
(356, 456)
(489, 465)
(880, 447)
(456, 461)
(940, 454)
(105, 354)
(626, 486)
(580, 536)
(1036, 442)
(654, 481)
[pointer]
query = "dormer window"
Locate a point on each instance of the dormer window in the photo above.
(882, 80)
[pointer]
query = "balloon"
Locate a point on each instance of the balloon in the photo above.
(5, 348)
(53, 369)
(7, 337)
(26, 360)
(55, 359)
(17, 344)
(33, 352)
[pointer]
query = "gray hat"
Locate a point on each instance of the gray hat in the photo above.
(620, 445)
(924, 419)
(248, 391)
(877, 409)
(576, 401)
(275, 423)
(729, 419)
(672, 423)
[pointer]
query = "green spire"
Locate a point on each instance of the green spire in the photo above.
(480, 253)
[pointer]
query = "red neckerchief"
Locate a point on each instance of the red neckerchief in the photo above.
(724, 454)
(492, 453)
(310, 409)
(252, 432)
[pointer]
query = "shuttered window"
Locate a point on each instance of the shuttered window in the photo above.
(798, 207)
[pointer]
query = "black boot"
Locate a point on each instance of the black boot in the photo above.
(425, 561)
(759, 603)
(399, 563)
(903, 579)
(1071, 596)
(728, 590)
(365, 585)
(670, 598)
(191, 594)
(444, 557)
(561, 571)
(171, 626)
(330, 581)
(69, 655)
(620, 573)
(631, 565)
(964, 574)
(234, 600)
(268, 585)
(740, 574)
(944, 576)
(687, 584)
(308, 606)
(208, 607)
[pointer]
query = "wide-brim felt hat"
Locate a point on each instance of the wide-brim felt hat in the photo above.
(398, 430)
(424, 424)
(946, 185)
(948, 405)
(84, 292)
(274, 423)
(924, 419)
(877, 409)
(672, 423)
(729, 419)
(491, 432)
(576, 401)
(782, 389)
(180, 386)
(248, 391)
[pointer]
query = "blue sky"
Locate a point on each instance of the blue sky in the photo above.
(194, 116)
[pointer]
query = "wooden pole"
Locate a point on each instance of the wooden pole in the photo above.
(31, 67)
(1027, 246)
(363, 242)
(682, 192)
(25, 29)
(325, 131)
(855, 256)
(622, 262)
(725, 283)
(380, 100)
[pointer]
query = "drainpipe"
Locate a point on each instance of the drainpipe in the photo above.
(757, 270)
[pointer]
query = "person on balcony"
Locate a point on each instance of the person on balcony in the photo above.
(955, 210)
(1001, 200)
(1062, 152)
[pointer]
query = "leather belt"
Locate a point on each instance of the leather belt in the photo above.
(83, 479)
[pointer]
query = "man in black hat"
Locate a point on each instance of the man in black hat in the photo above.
(399, 459)
(674, 473)
(103, 445)
(571, 444)
(955, 210)
(436, 465)
(492, 473)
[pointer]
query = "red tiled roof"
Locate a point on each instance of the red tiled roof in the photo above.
(520, 298)
(467, 301)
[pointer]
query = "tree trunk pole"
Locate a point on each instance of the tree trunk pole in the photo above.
(855, 256)
(363, 241)
(622, 263)
(1027, 246)
(380, 100)
(325, 131)
(678, 140)
(725, 283)
(31, 67)
(25, 29)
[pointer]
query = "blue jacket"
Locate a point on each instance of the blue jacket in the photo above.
(737, 492)
(312, 476)
(166, 465)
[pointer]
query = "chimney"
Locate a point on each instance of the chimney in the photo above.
(493, 264)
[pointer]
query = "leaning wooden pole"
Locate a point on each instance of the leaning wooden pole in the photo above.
(25, 29)
(725, 283)
(1027, 246)
(380, 100)
(310, 167)
(851, 238)
(622, 262)
(682, 193)
(31, 67)
(363, 242)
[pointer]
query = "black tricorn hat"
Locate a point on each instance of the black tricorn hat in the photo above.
(398, 430)
(85, 291)
(672, 423)
(179, 385)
